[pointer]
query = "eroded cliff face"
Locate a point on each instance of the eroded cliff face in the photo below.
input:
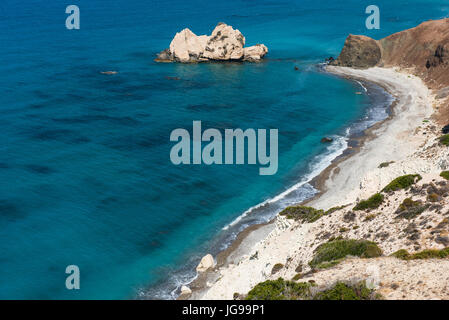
(359, 52)
(423, 51)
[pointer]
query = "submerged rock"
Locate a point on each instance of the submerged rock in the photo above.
(224, 44)
(326, 140)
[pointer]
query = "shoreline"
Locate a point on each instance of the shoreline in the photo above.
(322, 182)
(199, 285)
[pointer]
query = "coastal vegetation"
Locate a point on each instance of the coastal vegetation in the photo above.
(302, 213)
(372, 202)
(281, 289)
(425, 254)
(330, 253)
(444, 139)
(445, 175)
(409, 208)
(385, 164)
(343, 291)
(276, 268)
(402, 182)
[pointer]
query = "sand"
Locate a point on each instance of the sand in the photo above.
(411, 146)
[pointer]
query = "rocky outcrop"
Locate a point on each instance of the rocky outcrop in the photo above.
(206, 263)
(423, 49)
(254, 53)
(359, 52)
(224, 44)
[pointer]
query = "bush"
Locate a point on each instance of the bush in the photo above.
(425, 254)
(445, 175)
(333, 209)
(297, 277)
(401, 254)
(445, 139)
(280, 290)
(402, 182)
(288, 290)
(302, 213)
(342, 291)
(339, 249)
(277, 267)
(371, 203)
(385, 164)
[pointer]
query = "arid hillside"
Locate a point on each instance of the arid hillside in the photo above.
(423, 51)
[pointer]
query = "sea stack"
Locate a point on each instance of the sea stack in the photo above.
(224, 44)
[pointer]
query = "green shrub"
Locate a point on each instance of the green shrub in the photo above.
(445, 139)
(327, 265)
(370, 217)
(302, 213)
(371, 203)
(333, 209)
(425, 254)
(297, 277)
(445, 175)
(277, 267)
(280, 290)
(402, 182)
(401, 254)
(431, 253)
(342, 291)
(385, 164)
(339, 249)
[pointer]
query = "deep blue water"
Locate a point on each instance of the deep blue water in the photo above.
(85, 174)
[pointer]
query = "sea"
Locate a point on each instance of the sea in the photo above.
(85, 172)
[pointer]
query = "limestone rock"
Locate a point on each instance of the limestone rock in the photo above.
(206, 263)
(185, 290)
(254, 53)
(187, 46)
(224, 44)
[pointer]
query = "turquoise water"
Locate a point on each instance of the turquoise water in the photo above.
(85, 174)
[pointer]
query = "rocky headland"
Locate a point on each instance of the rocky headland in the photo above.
(422, 51)
(224, 44)
(380, 227)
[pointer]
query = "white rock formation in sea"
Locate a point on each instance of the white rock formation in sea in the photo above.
(224, 44)
(255, 53)
(206, 263)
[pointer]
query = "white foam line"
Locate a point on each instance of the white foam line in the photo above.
(339, 145)
(361, 85)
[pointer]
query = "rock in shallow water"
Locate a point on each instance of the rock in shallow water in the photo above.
(206, 263)
(224, 44)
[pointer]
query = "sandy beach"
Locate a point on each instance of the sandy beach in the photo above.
(408, 142)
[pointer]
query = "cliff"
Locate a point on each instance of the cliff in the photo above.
(423, 51)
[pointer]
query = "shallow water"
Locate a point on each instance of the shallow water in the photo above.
(85, 175)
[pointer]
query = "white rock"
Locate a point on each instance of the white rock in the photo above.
(255, 53)
(187, 46)
(206, 263)
(185, 290)
(225, 43)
